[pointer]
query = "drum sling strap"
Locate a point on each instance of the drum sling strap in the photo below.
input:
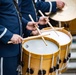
(15, 3)
(19, 69)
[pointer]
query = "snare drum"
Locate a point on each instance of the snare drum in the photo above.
(64, 38)
(39, 59)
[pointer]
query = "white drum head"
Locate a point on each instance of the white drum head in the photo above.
(37, 46)
(62, 39)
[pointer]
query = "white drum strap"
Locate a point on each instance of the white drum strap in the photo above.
(70, 50)
(1, 66)
(63, 66)
(56, 72)
(59, 59)
(41, 60)
(59, 54)
(29, 63)
(67, 52)
(53, 62)
(57, 63)
(59, 24)
(29, 60)
(29, 57)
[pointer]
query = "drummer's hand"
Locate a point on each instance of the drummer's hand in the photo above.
(16, 39)
(35, 32)
(43, 20)
(60, 4)
(31, 25)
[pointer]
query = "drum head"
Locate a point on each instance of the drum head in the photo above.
(62, 38)
(37, 46)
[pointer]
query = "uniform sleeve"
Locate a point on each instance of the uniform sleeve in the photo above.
(46, 6)
(43, 6)
(27, 33)
(24, 21)
(5, 34)
(54, 6)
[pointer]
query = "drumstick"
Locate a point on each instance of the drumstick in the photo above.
(32, 37)
(48, 22)
(38, 30)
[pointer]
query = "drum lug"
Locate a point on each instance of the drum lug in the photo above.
(54, 68)
(29, 70)
(51, 70)
(57, 66)
(69, 55)
(42, 72)
(65, 60)
(59, 60)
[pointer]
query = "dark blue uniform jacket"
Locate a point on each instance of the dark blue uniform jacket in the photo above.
(26, 8)
(9, 25)
(45, 6)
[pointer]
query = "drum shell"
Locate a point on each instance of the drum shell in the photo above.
(36, 58)
(63, 50)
